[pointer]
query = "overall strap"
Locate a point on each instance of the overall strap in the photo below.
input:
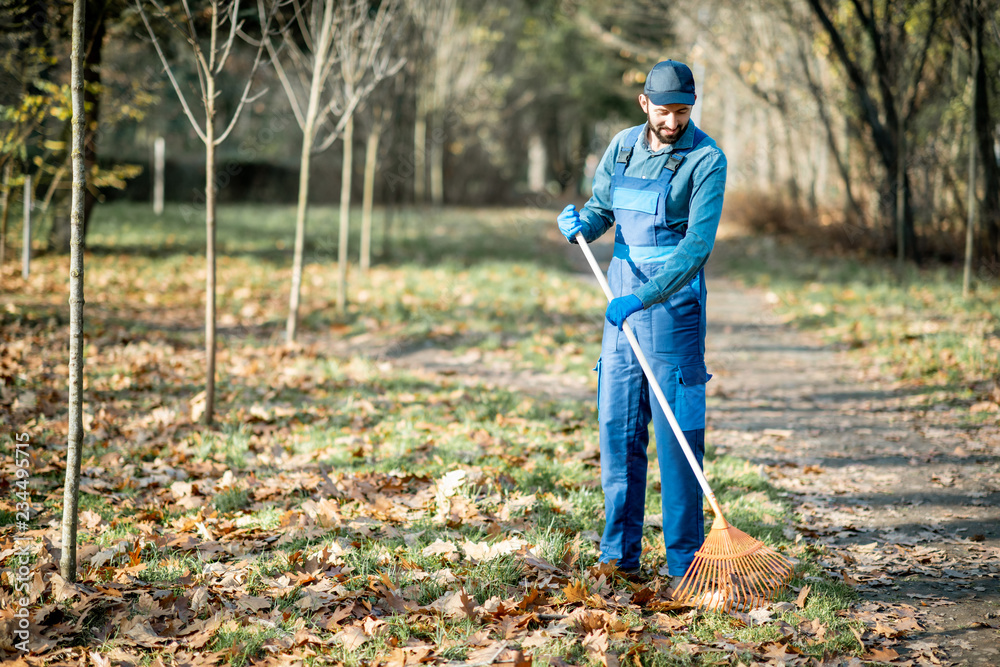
(625, 151)
(677, 157)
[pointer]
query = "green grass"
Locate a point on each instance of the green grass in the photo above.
(231, 499)
(244, 645)
(914, 325)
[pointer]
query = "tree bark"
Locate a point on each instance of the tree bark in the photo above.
(71, 491)
(308, 134)
(437, 162)
(970, 224)
(96, 18)
(345, 211)
(210, 228)
(900, 190)
(8, 170)
(419, 148)
(371, 162)
(985, 134)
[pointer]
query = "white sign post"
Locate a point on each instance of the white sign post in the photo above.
(26, 242)
(159, 149)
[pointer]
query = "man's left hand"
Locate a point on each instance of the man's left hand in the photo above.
(621, 308)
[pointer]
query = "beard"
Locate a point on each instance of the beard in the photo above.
(664, 135)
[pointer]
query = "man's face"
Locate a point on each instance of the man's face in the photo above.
(668, 121)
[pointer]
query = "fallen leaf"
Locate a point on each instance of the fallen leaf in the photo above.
(143, 635)
(576, 592)
(800, 601)
(881, 655)
(352, 637)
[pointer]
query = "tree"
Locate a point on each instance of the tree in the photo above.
(886, 72)
(332, 54)
(209, 61)
(984, 137)
(71, 493)
(380, 116)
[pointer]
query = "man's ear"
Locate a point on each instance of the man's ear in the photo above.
(643, 101)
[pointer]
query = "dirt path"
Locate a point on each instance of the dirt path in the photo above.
(906, 506)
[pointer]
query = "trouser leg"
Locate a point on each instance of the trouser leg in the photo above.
(683, 518)
(624, 415)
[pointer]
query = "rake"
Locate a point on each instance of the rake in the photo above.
(732, 570)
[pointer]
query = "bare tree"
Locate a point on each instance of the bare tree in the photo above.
(330, 56)
(451, 65)
(897, 68)
(380, 116)
(71, 492)
(210, 63)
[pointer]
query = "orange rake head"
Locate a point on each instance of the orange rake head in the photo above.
(733, 572)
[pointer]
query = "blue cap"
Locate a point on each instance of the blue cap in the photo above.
(669, 82)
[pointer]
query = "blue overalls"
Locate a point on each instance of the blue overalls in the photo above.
(672, 336)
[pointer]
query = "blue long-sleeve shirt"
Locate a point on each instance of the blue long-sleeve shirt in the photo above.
(694, 202)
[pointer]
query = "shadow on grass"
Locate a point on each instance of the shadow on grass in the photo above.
(403, 236)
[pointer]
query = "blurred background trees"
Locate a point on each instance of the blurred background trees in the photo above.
(844, 115)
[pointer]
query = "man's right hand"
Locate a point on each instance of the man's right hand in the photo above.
(569, 223)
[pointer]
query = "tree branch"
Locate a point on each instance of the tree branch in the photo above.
(234, 12)
(881, 66)
(265, 26)
(910, 105)
(170, 74)
(883, 141)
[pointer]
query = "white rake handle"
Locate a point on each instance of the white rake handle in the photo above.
(692, 461)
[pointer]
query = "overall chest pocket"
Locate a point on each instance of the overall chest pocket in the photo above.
(631, 199)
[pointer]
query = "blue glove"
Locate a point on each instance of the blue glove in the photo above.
(569, 223)
(621, 308)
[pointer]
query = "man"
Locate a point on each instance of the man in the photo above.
(660, 185)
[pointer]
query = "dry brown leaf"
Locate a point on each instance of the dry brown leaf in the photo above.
(513, 658)
(441, 548)
(667, 623)
(779, 651)
(253, 603)
(98, 660)
(352, 637)
(63, 590)
(881, 655)
(486, 655)
(143, 635)
(800, 601)
(576, 592)
(596, 643)
(589, 620)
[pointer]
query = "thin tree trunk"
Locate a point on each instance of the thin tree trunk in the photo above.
(159, 164)
(419, 148)
(291, 326)
(371, 161)
(437, 163)
(71, 491)
(345, 210)
(308, 134)
(8, 170)
(989, 213)
(97, 19)
(970, 225)
(210, 230)
(28, 198)
(900, 210)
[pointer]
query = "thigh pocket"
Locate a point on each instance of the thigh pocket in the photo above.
(690, 409)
